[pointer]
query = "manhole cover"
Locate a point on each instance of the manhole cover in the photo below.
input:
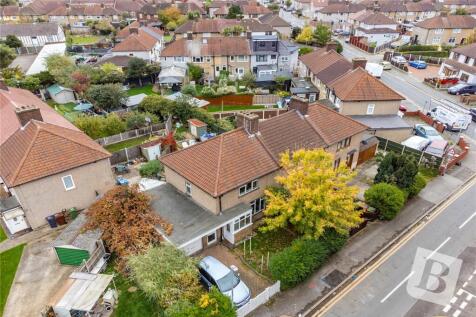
(334, 278)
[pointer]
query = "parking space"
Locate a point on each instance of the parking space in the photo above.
(421, 74)
(255, 282)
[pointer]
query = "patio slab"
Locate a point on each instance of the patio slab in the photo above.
(256, 283)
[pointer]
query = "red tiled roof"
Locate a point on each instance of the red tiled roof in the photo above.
(197, 122)
(214, 46)
(234, 158)
(41, 149)
(377, 19)
(14, 98)
(326, 65)
(448, 22)
(359, 85)
(136, 42)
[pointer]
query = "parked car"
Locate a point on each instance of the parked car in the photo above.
(416, 142)
(215, 273)
(427, 132)
(418, 64)
(462, 89)
(386, 65)
(402, 108)
(437, 148)
(472, 111)
(399, 59)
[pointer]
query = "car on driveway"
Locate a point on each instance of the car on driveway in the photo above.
(418, 64)
(399, 59)
(473, 113)
(386, 65)
(427, 132)
(461, 89)
(215, 273)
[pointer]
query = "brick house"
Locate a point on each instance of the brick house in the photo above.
(444, 30)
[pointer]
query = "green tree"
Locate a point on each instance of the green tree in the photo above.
(305, 50)
(195, 72)
(45, 78)
(31, 83)
(211, 304)
(234, 11)
(151, 168)
(91, 125)
(306, 35)
(273, 7)
(322, 34)
(136, 69)
(111, 73)
(113, 125)
(104, 27)
(7, 55)
(234, 30)
(166, 275)
(136, 119)
(461, 11)
(387, 199)
(4, 3)
(288, 3)
(316, 195)
(107, 97)
(280, 81)
(61, 67)
(189, 90)
(248, 79)
(157, 105)
(13, 41)
(397, 169)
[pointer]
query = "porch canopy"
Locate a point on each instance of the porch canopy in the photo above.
(189, 220)
(172, 75)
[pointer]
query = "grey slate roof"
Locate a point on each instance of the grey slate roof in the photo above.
(383, 122)
(72, 235)
(188, 219)
(29, 29)
(8, 203)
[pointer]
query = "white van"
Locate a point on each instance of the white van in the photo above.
(452, 115)
(374, 69)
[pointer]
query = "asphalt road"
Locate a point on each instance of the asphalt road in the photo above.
(384, 291)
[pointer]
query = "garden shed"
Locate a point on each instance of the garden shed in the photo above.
(197, 128)
(74, 246)
(61, 94)
(151, 150)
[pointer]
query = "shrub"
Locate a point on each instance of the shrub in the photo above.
(387, 199)
(136, 120)
(305, 50)
(208, 91)
(333, 240)
(189, 90)
(98, 127)
(417, 186)
(151, 168)
(295, 263)
(398, 169)
(213, 303)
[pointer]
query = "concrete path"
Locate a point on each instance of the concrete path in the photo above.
(38, 276)
(363, 245)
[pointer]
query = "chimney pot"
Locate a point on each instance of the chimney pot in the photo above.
(359, 62)
(249, 121)
(27, 113)
(299, 104)
(133, 31)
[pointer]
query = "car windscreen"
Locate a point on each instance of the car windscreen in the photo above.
(228, 282)
(431, 132)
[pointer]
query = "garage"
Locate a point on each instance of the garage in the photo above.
(13, 215)
(192, 247)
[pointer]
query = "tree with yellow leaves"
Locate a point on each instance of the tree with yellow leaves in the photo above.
(313, 195)
(306, 36)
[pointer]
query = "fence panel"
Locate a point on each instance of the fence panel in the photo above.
(265, 99)
(125, 155)
(130, 134)
(259, 300)
(235, 100)
(421, 157)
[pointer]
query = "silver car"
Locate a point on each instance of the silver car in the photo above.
(215, 273)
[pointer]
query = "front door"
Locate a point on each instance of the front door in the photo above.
(228, 234)
(350, 159)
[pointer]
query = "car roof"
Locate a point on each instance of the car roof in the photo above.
(424, 126)
(439, 144)
(214, 267)
(415, 141)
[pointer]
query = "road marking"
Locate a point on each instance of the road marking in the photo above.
(453, 300)
(439, 247)
(457, 313)
(467, 220)
(465, 284)
(463, 305)
(447, 308)
(391, 251)
(397, 287)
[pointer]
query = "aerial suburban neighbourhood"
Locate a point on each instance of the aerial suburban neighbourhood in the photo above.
(231, 158)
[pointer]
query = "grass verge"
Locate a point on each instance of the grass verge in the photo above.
(3, 236)
(147, 89)
(116, 147)
(8, 267)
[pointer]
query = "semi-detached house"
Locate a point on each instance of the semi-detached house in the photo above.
(215, 189)
(34, 34)
(143, 42)
(461, 63)
(444, 30)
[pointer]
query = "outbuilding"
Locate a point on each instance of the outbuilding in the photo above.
(12, 215)
(151, 150)
(197, 128)
(61, 94)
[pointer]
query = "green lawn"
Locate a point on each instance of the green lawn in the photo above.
(261, 244)
(131, 303)
(66, 110)
(84, 39)
(8, 266)
(147, 89)
(167, 38)
(428, 173)
(125, 144)
(232, 108)
(3, 236)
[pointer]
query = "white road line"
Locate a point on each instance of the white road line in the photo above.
(396, 287)
(447, 308)
(463, 305)
(465, 284)
(453, 300)
(467, 220)
(439, 247)
(457, 313)
(470, 278)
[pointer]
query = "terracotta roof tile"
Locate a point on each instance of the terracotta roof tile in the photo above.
(359, 85)
(326, 65)
(214, 46)
(467, 50)
(448, 22)
(136, 42)
(41, 149)
(377, 19)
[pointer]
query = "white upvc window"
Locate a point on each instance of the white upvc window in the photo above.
(370, 108)
(68, 182)
(179, 59)
(249, 187)
(212, 237)
(456, 31)
(242, 58)
(242, 222)
(188, 188)
(438, 31)
(436, 40)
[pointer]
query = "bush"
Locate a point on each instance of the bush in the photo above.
(136, 120)
(295, 263)
(333, 240)
(417, 186)
(151, 168)
(412, 48)
(387, 199)
(189, 90)
(429, 53)
(213, 303)
(98, 126)
(305, 50)
(208, 91)
(398, 169)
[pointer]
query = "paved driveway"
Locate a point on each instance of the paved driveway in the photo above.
(37, 279)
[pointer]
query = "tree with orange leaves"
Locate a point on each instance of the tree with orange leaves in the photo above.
(127, 221)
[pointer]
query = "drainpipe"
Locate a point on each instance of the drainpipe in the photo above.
(219, 204)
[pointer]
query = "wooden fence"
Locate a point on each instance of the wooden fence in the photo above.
(131, 134)
(267, 100)
(262, 113)
(259, 300)
(125, 155)
(235, 100)
(421, 157)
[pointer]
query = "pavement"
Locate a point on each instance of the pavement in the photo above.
(384, 292)
(39, 275)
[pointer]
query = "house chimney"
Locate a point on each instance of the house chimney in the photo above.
(248, 121)
(301, 105)
(331, 46)
(189, 36)
(133, 31)
(359, 62)
(27, 113)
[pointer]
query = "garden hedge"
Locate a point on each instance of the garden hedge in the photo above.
(387, 199)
